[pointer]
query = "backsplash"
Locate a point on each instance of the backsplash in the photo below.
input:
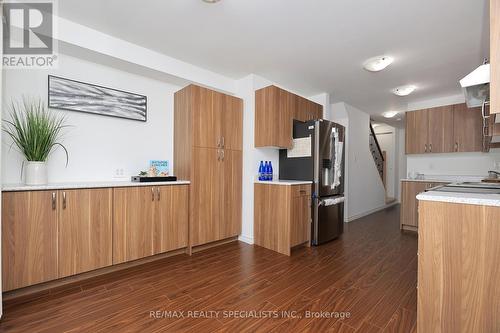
(456, 164)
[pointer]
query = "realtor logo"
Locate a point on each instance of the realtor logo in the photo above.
(28, 30)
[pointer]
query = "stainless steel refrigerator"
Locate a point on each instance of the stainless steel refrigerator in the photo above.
(318, 156)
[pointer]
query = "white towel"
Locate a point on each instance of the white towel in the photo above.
(337, 165)
(332, 201)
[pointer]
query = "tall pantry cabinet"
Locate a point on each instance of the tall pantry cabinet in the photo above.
(208, 143)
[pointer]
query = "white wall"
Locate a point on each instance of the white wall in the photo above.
(454, 164)
(364, 189)
(252, 156)
(97, 145)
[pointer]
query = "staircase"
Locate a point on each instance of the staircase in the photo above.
(379, 158)
(378, 155)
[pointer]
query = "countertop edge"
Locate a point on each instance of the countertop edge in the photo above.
(283, 182)
(460, 198)
(86, 185)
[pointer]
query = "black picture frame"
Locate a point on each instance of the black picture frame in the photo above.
(103, 112)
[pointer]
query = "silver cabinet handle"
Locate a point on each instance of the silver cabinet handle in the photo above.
(64, 200)
(223, 142)
(158, 193)
(456, 146)
(430, 148)
(53, 200)
(218, 143)
(218, 155)
(223, 155)
(426, 147)
(152, 194)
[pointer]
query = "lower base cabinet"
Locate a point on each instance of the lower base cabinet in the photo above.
(29, 238)
(409, 202)
(84, 236)
(282, 216)
(48, 235)
(149, 220)
(458, 268)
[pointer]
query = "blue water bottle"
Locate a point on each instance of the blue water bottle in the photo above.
(261, 170)
(265, 173)
(270, 174)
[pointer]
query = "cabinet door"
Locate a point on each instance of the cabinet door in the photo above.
(207, 117)
(301, 220)
(318, 111)
(440, 135)
(29, 238)
(133, 223)
(171, 222)
(85, 230)
(231, 205)
(495, 56)
(467, 128)
(286, 109)
(409, 202)
(417, 124)
(301, 109)
(232, 125)
(206, 190)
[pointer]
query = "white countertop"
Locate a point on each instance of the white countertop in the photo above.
(77, 185)
(461, 198)
(445, 179)
(426, 181)
(283, 182)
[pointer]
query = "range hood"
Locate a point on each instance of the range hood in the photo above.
(476, 86)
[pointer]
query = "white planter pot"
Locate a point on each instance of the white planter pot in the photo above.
(35, 173)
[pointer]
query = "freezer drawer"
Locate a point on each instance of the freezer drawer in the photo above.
(328, 221)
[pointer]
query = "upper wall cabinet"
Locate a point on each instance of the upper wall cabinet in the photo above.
(495, 56)
(275, 109)
(445, 129)
(216, 123)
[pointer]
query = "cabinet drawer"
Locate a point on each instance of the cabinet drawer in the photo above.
(301, 190)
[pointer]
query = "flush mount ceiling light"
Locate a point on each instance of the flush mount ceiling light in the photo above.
(404, 90)
(210, 1)
(390, 114)
(376, 64)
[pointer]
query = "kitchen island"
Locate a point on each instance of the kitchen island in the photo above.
(458, 262)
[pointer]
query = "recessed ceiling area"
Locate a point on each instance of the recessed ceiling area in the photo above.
(310, 46)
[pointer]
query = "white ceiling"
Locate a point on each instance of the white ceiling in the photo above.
(310, 46)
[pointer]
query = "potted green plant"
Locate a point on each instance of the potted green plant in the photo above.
(35, 131)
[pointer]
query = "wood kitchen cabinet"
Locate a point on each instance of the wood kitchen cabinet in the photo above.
(440, 132)
(458, 251)
(446, 129)
(409, 202)
(29, 238)
(282, 216)
(275, 109)
(417, 126)
(232, 195)
(134, 212)
(85, 224)
(170, 226)
(273, 117)
(149, 220)
(207, 186)
(215, 170)
(495, 56)
(467, 129)
(48, 235)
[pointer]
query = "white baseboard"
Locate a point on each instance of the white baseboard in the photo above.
(358, 216)
(245, 239)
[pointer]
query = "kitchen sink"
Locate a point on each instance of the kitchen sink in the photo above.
(469, 187)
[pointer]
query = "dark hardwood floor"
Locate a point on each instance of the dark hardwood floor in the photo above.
(370, 273)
